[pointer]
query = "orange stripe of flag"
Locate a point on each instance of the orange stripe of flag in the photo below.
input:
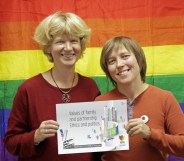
(154, 32)
(146, 31)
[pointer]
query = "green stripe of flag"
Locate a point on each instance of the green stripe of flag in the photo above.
(174, 83)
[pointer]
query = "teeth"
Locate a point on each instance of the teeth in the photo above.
(123, 72)
(67, 55)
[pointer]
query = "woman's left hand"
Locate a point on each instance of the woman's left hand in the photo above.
(138, 127)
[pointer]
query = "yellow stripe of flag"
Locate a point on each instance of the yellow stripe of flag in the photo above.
(23, 64)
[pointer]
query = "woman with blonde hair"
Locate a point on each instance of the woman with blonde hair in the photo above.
(32, 126)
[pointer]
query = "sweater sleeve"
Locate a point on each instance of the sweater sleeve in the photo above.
(19, 139)
(171, 140)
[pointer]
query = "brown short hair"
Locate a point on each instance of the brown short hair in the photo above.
(131, 45)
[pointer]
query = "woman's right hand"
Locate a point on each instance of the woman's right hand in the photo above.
(47, 129)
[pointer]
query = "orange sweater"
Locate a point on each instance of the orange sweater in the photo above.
(166, 121)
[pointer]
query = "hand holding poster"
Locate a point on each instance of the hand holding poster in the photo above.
(92, 126)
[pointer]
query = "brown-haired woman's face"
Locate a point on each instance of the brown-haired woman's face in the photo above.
(123, 66)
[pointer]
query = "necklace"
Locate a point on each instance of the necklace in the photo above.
(65, 94)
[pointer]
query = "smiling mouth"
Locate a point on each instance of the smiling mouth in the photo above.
(67, 55)
(123, 72)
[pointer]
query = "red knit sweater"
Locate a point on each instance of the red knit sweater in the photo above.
(35, 102)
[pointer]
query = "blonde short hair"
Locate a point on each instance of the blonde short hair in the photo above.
(61, 23)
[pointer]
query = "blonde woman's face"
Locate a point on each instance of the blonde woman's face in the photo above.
(65, 50)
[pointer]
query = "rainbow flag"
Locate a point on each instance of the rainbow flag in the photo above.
(158, 26)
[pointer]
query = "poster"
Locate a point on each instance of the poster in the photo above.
(92, 126)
